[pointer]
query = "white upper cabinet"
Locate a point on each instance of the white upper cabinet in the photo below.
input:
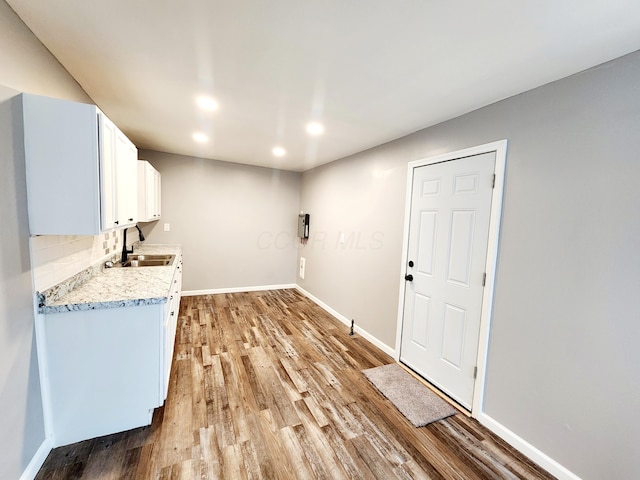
(107, 151)
(148, 192)
(126, 181)
(81, 170)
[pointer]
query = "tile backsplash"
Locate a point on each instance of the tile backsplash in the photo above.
(57, 257)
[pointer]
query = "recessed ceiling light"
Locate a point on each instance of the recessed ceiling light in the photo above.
(315, 128)
(200, 137)
(207, 103)
(279, 151)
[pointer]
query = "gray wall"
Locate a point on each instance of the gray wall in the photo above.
(563, 359)
(22, 421)
(363, 198)
(236, 223)
(25, 65)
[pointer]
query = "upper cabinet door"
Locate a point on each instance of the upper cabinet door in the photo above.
(107, 133)
(148, 192)
(127, 181)
(157, 194)
(62, 170)
(81, 170)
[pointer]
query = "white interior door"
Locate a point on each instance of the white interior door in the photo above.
(447, 252)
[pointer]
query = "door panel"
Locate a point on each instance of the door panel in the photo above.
(460, 246)
(431, 187)
(448, 235)
(453, 335)
(465, 183)
(426, 249)
(422, 308)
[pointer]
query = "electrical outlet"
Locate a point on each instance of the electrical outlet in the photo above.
(302, 265)
(167, 227)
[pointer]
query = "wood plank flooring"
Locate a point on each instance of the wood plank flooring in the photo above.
(268, 385)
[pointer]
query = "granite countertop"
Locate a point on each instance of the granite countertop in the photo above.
(99, 287)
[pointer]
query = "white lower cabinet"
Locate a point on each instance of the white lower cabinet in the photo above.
(108, 369)
(103, 370)
(170, 326)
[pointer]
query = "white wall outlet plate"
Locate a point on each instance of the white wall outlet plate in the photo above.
(302, 265)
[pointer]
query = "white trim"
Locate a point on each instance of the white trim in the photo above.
(500, 149)
(363, 333)
(37, 460)
(491, 266)
(215, 291)
(535, 455)
(405, 254)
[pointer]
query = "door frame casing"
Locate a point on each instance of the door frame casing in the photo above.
(500, 149)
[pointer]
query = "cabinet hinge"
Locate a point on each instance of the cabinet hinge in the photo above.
(493, 183)
(475, 372)
(484, 279)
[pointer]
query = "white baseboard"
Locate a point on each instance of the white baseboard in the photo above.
(215, 291)
(38, 460)
(363, 333)
(542, 459)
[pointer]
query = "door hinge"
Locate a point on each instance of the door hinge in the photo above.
(475, 372)
(493, 183)
(484, 279)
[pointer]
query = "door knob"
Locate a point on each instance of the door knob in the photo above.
(408, 277)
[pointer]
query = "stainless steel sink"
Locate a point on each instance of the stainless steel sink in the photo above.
(134, 261)
(150, 257)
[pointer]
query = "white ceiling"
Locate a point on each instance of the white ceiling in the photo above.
(369, 70)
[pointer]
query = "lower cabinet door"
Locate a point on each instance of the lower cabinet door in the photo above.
(170, 325)
(103, 370)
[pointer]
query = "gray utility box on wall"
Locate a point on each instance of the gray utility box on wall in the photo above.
(303, 225)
